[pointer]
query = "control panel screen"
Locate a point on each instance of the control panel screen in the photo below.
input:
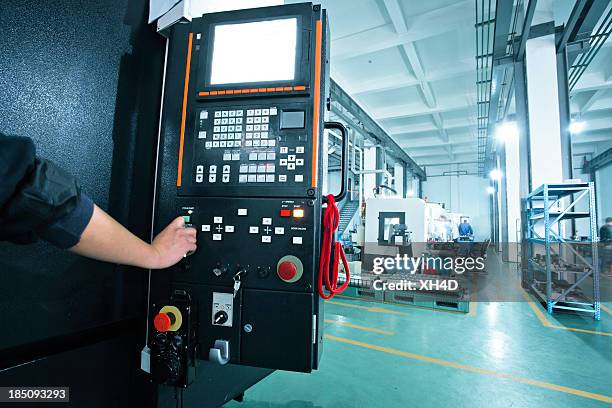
(260, 51)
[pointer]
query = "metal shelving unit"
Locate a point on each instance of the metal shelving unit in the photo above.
(559, 267)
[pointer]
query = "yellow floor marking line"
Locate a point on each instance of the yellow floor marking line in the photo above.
(358, 327)
(545, 322)
(473, 369)
(369, 309)
(417, 307)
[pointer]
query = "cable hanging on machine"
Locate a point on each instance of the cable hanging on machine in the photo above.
(331, 253)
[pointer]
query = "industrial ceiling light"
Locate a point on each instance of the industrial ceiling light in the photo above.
(490, 190)
(410, 193)
(506, 131)
(495, 174)
(576, 127)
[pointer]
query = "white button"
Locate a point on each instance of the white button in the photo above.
(238, 121)
(223, 143)
(272, 143)
(269, 178)
(265, 119)
(202, 134)
(249, 135)
(266, 221)
(261, 178)
(290, 166)
(266, 239)
(208, 145)
(283, 162)
(226, 156)
(270, 168)
(229, 228)
(223, 128)
(215, 144)
(205, 227)
(256, 142)
(257, 112)
(264, 127)
(297, 240)
(224, 121)
(250, 112)
(242, 178)
(299, 162)
(248, 143)
(253, 230)
(212, 178)
(261, 156)
(224, 114)
(238, 128)
(217, 121)
(253, 156)
(199, 178)
(291, 157)
(249, 128)
(230, 143)
(252, 168)
(200, 169)
(264, 135)
(242, 211)
(279, 230)
(232, 113)
(225, 178)
(230, 128)
(216, 136)
(272, 111)
(271, 156)
(235, 156)
(299, 149)
(265, 112)
(204, 114)
(257, 120)
(226, 169)
(264, 143)
(218, 220)
(284, 149)
(249, 120)
(216, 237)
(216, 129)
(217, 114)
(252, 178)
(239, 112)
(299, 178)
(282, 178)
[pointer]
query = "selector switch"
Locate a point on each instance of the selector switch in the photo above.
(289, 269)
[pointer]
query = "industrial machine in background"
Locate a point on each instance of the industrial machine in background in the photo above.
(240, 158)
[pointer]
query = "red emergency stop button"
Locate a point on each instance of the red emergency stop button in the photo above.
(285, 213)
(162, 322)
(287, 271)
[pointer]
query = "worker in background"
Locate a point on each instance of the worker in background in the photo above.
(39, 200)
(465, 229)
(605, 238)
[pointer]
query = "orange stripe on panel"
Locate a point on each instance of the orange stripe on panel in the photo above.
(317, 102)
(184, 115)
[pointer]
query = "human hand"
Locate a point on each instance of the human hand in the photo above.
(173, 243)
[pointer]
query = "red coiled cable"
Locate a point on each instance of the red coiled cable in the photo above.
(331, 218)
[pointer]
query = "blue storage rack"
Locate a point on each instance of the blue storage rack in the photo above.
(546, 208)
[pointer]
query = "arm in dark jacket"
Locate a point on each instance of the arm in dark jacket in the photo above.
(37, 198)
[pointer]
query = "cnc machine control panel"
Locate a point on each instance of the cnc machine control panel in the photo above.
(240, 160)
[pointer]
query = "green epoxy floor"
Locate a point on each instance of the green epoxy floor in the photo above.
(501, 355)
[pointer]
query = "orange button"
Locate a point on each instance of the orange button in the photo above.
(285, 213)
(298, 213)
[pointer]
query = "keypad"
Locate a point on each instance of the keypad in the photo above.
(247, 147)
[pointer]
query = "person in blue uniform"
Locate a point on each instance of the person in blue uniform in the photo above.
(40, 200)
(465, 229)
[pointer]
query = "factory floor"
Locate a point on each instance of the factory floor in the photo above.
(501, 354)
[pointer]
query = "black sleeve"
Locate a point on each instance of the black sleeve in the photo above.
(37, 198)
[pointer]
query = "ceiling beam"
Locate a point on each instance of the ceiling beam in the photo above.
(586, 106)
(429, 127)
(425, 25)
(409, 111)
(460, 68)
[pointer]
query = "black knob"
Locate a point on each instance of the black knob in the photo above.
(220, 317)
(263, 272)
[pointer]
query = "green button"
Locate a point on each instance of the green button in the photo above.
(187, 219)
